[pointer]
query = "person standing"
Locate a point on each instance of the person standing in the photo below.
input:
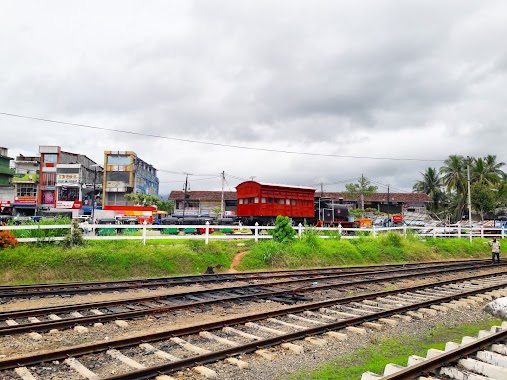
(495, 250)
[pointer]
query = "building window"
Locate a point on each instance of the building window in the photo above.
(50, 158)
(293, 202)
(68, 193)
(118, 160)
(256, 200)
(240, 201)
(270, 200)
(118, 177)
(263, 200)
(26, 190)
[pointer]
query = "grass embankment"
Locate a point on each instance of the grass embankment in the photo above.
(109, 260)
(376, 355)
(387, 248)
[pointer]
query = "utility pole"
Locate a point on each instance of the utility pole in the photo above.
(222, 202)
(321, 189)
(469, 199)
(185, 196)
(388, 208)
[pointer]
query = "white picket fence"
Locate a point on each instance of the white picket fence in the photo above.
(256, 232)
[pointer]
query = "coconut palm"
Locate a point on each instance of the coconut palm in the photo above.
(495, 167)
(430, 185)
(454, 174)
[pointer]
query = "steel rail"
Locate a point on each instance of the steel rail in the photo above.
(430, 365)
(70, 322)
(68, 288)
(153, 371)
(334, 276)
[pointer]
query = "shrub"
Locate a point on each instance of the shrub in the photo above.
(283, 231)
(74, 237)
(7, 239)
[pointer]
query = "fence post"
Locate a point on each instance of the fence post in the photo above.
(300, 232)
(374, 231)
(144, 232)
(404, 230)
(207, 232)
(482, 231)
(256, 229)
(340, 228)
(434, 232)
(459, 230)
(503, 232)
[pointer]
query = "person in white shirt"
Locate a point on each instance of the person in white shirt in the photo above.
(495, 250)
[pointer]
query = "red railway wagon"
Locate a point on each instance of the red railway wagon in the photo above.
(263, 202)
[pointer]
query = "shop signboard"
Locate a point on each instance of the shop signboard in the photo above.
(69, 204)
(67, 178)
(29, 178)
(29, 201)
(5, 203)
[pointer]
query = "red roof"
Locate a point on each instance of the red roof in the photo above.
(378, 197)
(203, 195)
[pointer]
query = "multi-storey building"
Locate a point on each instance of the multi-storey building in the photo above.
(25, 183)
(6, 188)
(125, 173)
(67, 180)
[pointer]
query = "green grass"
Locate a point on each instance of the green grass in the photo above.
(109, 260)
(387, 248)
(376, 355)
(121, 259)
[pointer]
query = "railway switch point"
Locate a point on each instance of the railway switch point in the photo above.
(293, 347)
(122, 324)
(205, 371)
(81, 329)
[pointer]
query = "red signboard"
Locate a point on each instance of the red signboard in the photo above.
(397, 218)
(69, 204)
(5, 203)
(25, 200)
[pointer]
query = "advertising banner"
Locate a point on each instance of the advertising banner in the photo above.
(69, 204)
(67, 178)
(5, 203)
(25, 201)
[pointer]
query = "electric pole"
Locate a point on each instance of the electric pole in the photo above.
(222, 202)
(185, 196)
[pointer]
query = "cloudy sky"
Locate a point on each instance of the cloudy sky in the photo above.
(381, 88)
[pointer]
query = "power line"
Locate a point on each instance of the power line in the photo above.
(217, 144)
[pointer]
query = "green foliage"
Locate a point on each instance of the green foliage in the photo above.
(74, 237)
(483, 198)
(360, 190)
(151, 200)
(283, 231)
(378, 353)
(42, 235)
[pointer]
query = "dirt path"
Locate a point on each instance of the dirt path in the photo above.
(236, 261)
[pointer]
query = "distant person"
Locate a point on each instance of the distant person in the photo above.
(86, 227)
(495, 251)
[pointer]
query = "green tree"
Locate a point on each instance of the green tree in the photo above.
(360, 190)
(141, 199)
(283, 231)
(454, 177)
(483, 198)
(431, 185)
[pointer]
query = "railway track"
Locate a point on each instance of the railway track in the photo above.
(288, 291)
(474, 358)
(150, 356)
(44, 290)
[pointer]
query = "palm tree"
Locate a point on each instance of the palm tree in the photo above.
(430, 185)
(454, 174)
(494, 167)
